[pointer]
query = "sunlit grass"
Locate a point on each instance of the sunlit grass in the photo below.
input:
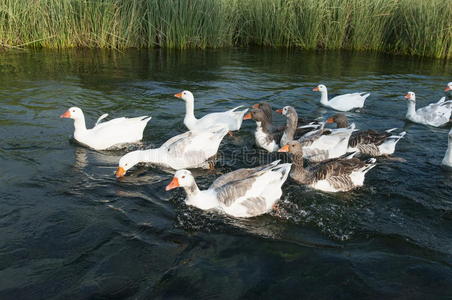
(416, 27)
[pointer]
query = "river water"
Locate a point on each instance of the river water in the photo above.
(70, 230)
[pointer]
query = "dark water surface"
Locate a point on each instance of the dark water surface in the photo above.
(70, 230)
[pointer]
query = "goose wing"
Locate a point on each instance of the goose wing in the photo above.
(335, 167)
(239, 174)
(363, 137)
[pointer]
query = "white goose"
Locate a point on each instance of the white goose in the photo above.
(232, 119)
(447, 160)
(106, 134)
(434, 114)
(242, 193)
(344, 102)
(183, 151)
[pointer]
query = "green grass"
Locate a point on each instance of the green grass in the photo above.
(414, 27)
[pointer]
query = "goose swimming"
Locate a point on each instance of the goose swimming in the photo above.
(241, 193)
(108, 134)
(333, 175)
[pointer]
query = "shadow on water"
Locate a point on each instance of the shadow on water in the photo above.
(69, 229)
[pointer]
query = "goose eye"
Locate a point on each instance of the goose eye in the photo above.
(73, 110)
(183, 176)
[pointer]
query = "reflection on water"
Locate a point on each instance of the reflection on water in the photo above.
(71, 230)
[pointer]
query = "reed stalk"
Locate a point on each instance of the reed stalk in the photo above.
(413, 27)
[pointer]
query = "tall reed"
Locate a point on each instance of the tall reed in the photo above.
(416, 27)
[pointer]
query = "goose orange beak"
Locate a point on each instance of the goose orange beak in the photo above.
(330, 120)
(120, 172)
(247, 116)
(67, 114)
(284, 149)
(255, 105)
(178, 95)
(407, 96)
(447, 89)
(279, 111)
(316, 89)
(173, 184)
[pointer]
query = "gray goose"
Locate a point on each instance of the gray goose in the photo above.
(302, 125)
(334, 175)
(296, 127)
(368, 142)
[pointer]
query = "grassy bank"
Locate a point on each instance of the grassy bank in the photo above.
(417, 27)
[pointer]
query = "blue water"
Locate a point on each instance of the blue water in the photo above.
(70, 230)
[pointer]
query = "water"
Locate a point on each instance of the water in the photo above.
(70, 230)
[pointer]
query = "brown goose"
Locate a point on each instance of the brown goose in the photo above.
(267, 137)
(369, 142)
(266, 108)
(300, 120)
(333, 175)
(295, 127)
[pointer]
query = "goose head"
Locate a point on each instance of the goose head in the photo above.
(257, 115)
(127, 162)
(448, 87)
(448, 91)
(185, 95)
(73, 113)
(320, 88)
(340, 120)
(410, 96)
(287, 111)
(182, 178)
(293, 147)
(265, 107)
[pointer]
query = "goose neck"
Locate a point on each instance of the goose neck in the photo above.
(79, 125)
(411, 109)
(324, 97)
(189, 112)
(192, 190)
(291, 125)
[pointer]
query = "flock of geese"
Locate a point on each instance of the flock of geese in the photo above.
(329, 152)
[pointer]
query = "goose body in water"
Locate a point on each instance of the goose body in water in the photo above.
(435, 114)
(333, 175)
(368, 142)
(242, 193)
(447, 160)
(344, 102)
(105, 135)
(318, 144)
(266, 136)
(231, 119)
(183, 151)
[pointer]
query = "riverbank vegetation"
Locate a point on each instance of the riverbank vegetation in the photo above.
(414, 27)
